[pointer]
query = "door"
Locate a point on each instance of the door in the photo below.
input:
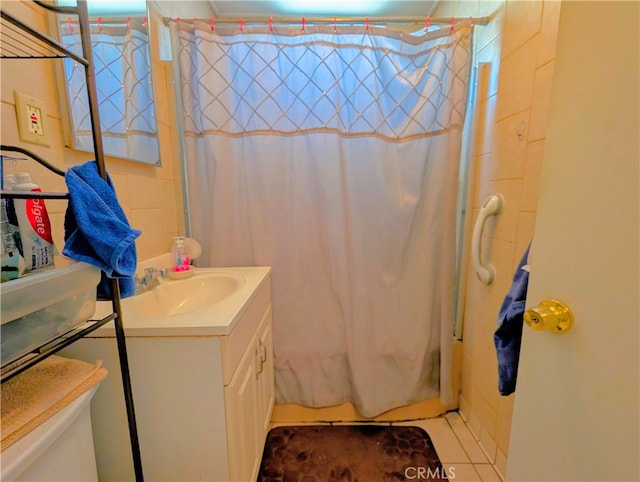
(576, 412)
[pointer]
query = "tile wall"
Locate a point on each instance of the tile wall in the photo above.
(151, 196)
(515, 53)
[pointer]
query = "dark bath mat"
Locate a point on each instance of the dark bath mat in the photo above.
(349, 453)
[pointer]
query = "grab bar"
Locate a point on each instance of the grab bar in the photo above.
(491, 207)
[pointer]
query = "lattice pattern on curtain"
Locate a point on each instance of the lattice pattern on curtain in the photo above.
(292, 83)
(124, 88)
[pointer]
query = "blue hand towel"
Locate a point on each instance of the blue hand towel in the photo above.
(508, 336)
(97, 231)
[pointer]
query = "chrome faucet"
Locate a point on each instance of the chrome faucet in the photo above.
(150, 279)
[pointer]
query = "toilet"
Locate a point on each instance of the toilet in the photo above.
(60, 449)
(46, 422)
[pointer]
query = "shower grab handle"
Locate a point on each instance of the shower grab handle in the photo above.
(492, 207)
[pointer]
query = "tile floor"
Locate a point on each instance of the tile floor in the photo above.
(456, 446)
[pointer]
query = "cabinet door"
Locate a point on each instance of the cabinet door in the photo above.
(243, 427)
(265, 375)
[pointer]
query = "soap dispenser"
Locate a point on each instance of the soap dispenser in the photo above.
(180, 257)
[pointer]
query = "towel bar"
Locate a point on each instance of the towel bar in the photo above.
(491, 207)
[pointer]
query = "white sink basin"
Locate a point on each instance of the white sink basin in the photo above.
(174, 297)
(208, 303)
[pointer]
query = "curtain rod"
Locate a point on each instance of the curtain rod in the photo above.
(106, 19)
(312, 20)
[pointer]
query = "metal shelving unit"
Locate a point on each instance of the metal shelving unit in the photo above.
(20, 41)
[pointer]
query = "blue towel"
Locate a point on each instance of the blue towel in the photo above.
(97, 231)
(508, 336)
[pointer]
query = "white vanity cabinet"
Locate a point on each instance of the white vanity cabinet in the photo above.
(203, 402)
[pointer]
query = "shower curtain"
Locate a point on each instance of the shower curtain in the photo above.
(331, 154)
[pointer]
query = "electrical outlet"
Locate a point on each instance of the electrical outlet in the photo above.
(35, 116)
(31, 119)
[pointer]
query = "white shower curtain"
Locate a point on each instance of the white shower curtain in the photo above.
(332, 156)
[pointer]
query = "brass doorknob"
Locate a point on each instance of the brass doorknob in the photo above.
(549, 315)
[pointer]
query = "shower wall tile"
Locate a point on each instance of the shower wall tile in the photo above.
(152, 224)
(531, 183)
(121, 186)
(526, 230)
(488, 444)
(501, 463)
(169, 208)
(475, 295)
(466, 438)
(501, 255)
(486, 324)
(541, 101)
(470, 416)
(522, 22)
(510, 147)
(144, 191)
(484, 372)
(490, 55)
(467, 346)
(503, 425)
(487, 473)
(548, 31)
(517, 74)
(469, 390)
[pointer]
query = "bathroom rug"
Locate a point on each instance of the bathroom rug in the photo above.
(349, 453)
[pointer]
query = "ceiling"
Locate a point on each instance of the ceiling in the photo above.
(323, 8)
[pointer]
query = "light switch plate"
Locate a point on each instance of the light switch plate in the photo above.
(32, 117)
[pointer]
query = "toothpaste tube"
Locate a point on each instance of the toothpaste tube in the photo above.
(35, 227)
